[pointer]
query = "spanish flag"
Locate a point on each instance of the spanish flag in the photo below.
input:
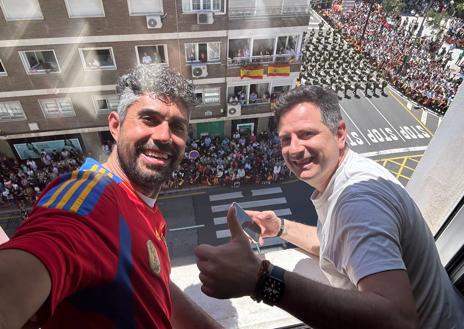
(281, 70)
(252, 72)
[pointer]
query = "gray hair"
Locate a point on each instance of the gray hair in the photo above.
(158, 81)
(325, 99)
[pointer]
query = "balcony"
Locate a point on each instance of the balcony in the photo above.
(243, 312)
(264, 59)
(265, 11)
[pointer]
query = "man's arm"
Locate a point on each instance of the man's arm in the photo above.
(24, 286)
(301, 235)
(187, 314)
(383, 300)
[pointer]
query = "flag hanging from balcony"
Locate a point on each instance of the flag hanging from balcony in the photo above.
(281, 70)
(252, 72)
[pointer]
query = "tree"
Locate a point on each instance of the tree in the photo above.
(393, 7)
(435, 19)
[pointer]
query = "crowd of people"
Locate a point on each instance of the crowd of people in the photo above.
(21, 181)
(242, 159)
(208, 161)
(417, 66)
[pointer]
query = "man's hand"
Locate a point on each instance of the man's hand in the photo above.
(229, 270)
(267, 221)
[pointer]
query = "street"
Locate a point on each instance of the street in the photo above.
(201, 216)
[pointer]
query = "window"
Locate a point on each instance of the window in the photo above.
(208, 96)
(39, 61)
(203, 52)
(144, 7)
(259, 93)
(151, 54)
(239, 50)
(296, 7)
(201, 5)
(268, 7)
(97, 58)
(263, 50)
(251, 93)
(238, 92)
(105, 103)
(2, 70)
(21, 9)
(85, 8)
(278, 90)
(10, 111)
(57, 108)
(287, 47)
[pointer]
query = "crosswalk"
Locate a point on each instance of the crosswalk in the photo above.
(270, 198)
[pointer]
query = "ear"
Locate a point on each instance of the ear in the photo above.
(341, 134)
(114, 124)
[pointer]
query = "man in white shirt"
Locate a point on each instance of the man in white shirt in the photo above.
(146, 59)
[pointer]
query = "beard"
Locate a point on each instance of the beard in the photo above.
(150, 176)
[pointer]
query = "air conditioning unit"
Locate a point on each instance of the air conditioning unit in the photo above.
(234, 110)
(205, 18)
(154, 22)
(199, 70)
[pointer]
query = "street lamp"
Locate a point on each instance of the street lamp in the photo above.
(367, 20)
(421, 27)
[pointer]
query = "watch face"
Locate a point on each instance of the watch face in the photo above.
(272, 290)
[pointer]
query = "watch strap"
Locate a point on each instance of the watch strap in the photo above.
(274, 286)
(270, 284)
(282, 227)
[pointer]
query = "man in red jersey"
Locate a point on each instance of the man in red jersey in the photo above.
(93, 252)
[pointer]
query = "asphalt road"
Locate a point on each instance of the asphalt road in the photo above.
(384, 125)
(200, 217)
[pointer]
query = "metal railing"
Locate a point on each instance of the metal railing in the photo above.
(236, 11)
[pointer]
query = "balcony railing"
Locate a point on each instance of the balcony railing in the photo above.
(238, 11)
(264, 59)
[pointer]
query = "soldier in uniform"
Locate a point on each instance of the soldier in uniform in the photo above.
(347, 86)
(357, 86)
(375, 86)
(383, 84)
(367, 87)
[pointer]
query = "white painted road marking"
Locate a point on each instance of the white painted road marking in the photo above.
(375, 107)
(278, 212)
(424, 117)
(392, 151)
(266, 191)
(186, 228)
(356, 126)
(225, 196)
(251, 204)
(222, 234)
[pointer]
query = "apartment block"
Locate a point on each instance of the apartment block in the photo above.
(59, 61)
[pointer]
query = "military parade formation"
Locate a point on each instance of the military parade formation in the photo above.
(330, 61)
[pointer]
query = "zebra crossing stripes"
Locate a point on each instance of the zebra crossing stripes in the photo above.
(219, 211)
(225, 196)
(251, 204)
(266, 191)
(278, 212)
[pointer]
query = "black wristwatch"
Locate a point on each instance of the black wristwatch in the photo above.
(270, 286)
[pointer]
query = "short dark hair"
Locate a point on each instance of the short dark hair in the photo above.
(158, 81)
(324, 98)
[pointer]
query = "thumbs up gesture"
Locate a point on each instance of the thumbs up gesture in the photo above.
(229, 270)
